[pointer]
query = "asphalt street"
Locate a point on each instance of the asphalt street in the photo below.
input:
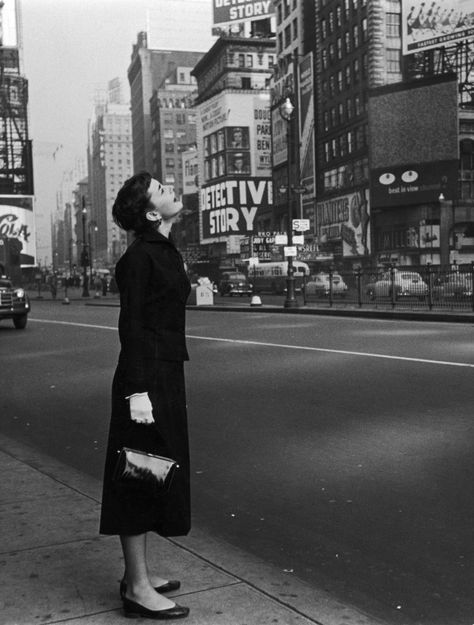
(338, 449)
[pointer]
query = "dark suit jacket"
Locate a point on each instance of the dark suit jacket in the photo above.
(153, 288)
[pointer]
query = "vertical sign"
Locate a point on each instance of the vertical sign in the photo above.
(307, 164)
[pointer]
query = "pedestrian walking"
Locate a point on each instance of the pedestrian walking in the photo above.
(148, 392)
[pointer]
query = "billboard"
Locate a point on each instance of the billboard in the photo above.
(413, 141)
(344, 221)
(235, 11)
(428, 24)
(17, 222)
(8, 27)
(413, 184)
(307, 164)
(230, 207)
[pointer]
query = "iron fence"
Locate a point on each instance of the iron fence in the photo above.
(421, 287)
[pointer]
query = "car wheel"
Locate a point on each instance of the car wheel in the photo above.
(20, 322)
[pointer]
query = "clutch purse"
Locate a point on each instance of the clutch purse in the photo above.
(142, 471)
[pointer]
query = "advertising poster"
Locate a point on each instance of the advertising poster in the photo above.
(8, 29)
(17, 223)
(235, 11)
(413, 184)
(307, 171)
(263, 137)
(433, 24)
(190, 172)
(230, 207)
(345, 220)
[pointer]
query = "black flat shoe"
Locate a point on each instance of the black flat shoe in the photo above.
(172, 584)
(134, 610)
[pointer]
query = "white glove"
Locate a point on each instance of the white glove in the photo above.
(141, 410)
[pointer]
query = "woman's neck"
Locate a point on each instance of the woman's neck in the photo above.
(165, 228)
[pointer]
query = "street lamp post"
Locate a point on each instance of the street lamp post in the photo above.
(91, 226)
(286, 111)
(84, 254)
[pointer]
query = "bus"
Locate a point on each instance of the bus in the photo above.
(272, 276)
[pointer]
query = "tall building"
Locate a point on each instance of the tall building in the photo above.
(17, 225)
(147, 71)
(234, 142)
(110, 163)
(173, 122)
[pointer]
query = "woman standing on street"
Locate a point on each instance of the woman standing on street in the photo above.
(148, 393)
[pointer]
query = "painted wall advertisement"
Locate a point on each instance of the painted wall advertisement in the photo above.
(307, 164)
(230, 207)
(235, 11)
(433, 24)
(344, 222)
(17, 223)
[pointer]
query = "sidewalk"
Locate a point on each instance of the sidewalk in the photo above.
(57, 569)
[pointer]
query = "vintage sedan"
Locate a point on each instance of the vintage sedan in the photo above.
(399, 284)
(323, 284)
(14, 303)
(452, 286)
(234, 283)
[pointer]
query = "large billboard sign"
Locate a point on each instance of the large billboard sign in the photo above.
(230, 207)
(428, 24)
(8, 27)
(17, 223)
(406, 168)
(236, 11)
(413, 184)
(344, 221)
(307, 164)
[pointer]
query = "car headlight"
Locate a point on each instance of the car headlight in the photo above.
(20, 293)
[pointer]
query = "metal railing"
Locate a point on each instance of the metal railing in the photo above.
(421, 287)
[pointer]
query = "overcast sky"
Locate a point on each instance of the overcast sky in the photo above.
(71, 47)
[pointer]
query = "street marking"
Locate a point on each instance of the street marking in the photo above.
(325, 350)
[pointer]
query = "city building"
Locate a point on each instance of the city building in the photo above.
(110, 163)
(147, 72)
(234, 143)
(17, 223)
(393, 113)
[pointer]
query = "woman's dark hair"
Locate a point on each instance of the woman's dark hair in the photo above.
(132, 202)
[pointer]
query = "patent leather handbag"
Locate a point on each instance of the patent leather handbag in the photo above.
(144, 472)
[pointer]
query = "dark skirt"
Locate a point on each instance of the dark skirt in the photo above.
(131, 513)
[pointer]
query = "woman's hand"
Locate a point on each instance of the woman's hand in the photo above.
(141, 410)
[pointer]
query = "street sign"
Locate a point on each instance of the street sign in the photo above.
(298, 239)
(301, 225)
(281, 239)
(289, 250)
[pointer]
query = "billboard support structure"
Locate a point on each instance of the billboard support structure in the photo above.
(456, 59)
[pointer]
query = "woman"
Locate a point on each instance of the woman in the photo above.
(148, 394)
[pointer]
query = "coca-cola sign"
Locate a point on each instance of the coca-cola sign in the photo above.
(17, 222)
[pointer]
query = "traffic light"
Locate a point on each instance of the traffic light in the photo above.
(85, 258)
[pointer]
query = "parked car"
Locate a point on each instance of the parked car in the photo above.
(452, 286)
(234, 283)
(403, 283)
(320, 284)
(14, 303)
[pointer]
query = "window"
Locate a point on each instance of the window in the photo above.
(249, 60)
(241, 60)
(349, 108)
(169, 162)
(349, 142)
(364, 29)
(347, 41)
(245, 81)
(169, 147)
(280, 42)
(392, 25)
(333, 117)
(331, 22)
(287, 8)
(355, 36)
(393, 61)
(326, 120)
(356, 70)
(357, 105)
(287, 36)
(324, 58)
(295, 29)
(338, 15)
(324, 32)
(348, 75)
(339, 48)
(271, 60)
(339, 81)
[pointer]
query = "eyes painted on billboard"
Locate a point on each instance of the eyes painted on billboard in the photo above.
(407, 176)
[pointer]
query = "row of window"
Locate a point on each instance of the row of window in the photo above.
(341, 13)
(344, 112)
(352, 38)
(341, 80)
(347, 176)
(346, 143)
(289, 35)
(284, 9)
(248, 60)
